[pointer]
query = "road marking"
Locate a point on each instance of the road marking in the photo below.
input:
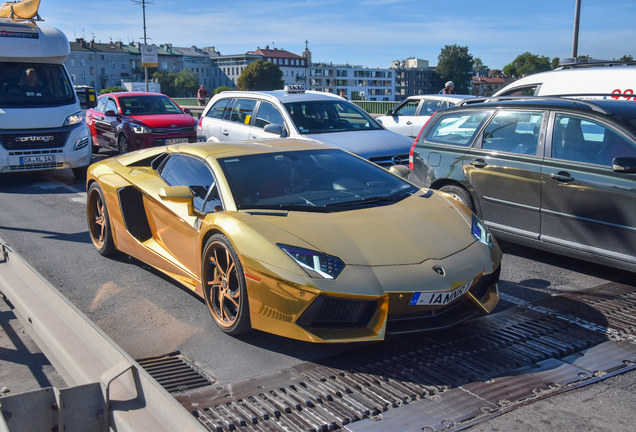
(80, 196)
(511, 299)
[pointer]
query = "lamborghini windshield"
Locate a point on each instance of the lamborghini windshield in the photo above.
(312, 180)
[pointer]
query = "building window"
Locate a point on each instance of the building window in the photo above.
(123, 64)
(133, 64)
(112, 64)
(101, 57)
(92, 71)
(164, 65)
(83, 77)
(90, 56)
(112, 78)
(72, 62)
(82, 62)
(73, 77)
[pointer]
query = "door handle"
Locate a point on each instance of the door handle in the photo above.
(225, 132)
(409, 122)
(562, 176)
(478, 163)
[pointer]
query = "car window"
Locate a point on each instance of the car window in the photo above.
(268, 114)
(457, 128)
(579, 139)
(430, 106)
(243, 111)
(101, 105)
(513, 132)
(187, 171)
(529, 90)
(111, 105)
(218, 109)
(329, 116)
(408, 109)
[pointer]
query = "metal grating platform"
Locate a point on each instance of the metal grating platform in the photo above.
(443, 380)
(175, 373)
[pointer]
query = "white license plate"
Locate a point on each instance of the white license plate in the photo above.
(176, 141)
(439, 298)
(32, 160)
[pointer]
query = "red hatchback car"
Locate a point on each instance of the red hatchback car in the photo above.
(132, 121)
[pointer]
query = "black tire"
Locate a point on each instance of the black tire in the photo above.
(122, 144)
(460, 194)
(224, 286)
(98, 221)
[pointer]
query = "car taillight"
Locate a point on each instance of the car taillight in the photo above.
(417, 139)
(200, 124)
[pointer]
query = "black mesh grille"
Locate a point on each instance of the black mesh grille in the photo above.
(338, 312)
(39, 140)
(132, 208)
(481, 287)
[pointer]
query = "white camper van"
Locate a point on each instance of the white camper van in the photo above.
(41, 122)
(597, 80)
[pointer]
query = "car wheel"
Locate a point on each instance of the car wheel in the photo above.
(98, 222)
(122, 144)
(224, 286)
(460, 194)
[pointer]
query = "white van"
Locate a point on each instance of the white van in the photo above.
(41, 122)
(589, 82)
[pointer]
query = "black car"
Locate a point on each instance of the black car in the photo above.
(553, 173)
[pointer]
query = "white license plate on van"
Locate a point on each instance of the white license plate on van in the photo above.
(176, 141)
(34, 160)
(436, 298)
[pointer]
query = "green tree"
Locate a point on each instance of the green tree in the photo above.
(527, 64)
(166, 81)
(186, 83)
(261, 75)
(456, 64)
(113, 89)
(555, 63)
(479, 65)
(626, 58)
(221, 89)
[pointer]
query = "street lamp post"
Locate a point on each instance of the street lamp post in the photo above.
(143, 4)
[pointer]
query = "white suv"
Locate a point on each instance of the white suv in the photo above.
(296, 113)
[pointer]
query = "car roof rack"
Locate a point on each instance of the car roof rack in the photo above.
(571, 63)
(586, 103)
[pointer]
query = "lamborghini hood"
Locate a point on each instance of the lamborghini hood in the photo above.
(408, 232)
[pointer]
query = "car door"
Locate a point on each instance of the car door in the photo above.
(175, 230)
(402, 118)
(237, 126)
(108, 125)
(504, 169)
(427, 108)
(213, 119)
(586, 205)
(267, 114)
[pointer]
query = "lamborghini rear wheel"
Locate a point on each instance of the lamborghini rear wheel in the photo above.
(224, 286)
(98, 223)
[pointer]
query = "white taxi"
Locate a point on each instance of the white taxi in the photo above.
(296, 113)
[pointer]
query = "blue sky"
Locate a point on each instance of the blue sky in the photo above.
(369, 33)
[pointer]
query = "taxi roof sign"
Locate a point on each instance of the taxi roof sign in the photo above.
(296, 88)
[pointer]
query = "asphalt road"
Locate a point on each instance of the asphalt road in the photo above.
(42, 216)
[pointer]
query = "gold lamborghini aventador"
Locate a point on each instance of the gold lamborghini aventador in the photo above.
(302, 240)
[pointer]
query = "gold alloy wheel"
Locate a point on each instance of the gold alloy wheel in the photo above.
(98, 225)
(224, 286)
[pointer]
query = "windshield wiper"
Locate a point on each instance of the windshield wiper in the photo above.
(369, 200)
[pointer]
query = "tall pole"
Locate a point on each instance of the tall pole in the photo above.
(143, 4)
(575, 39)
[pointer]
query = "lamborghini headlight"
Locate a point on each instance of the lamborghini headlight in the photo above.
(316, 264)
(481, 233)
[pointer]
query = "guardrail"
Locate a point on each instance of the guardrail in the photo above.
(108, 389)
(372, 107)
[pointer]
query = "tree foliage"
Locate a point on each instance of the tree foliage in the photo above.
(527, 64)
(478, 64)
(113, 89)
(261, 75)
(456, 64)
(626, 58)
(221, 89)
(555, 63)
(184, 83)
